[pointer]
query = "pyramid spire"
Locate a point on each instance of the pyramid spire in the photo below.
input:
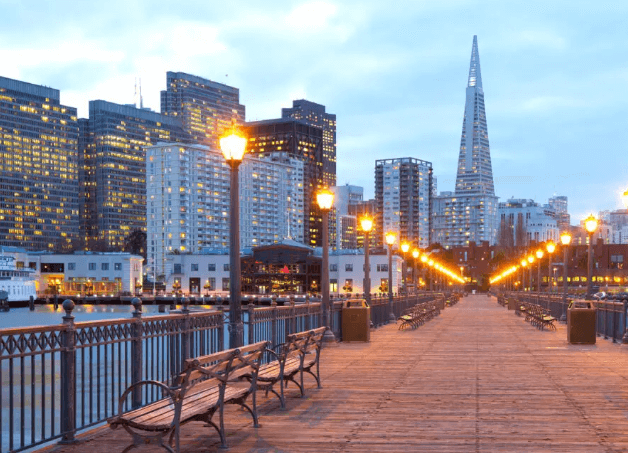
(475, 175)
(475, 76)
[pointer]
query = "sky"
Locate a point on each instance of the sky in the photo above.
(554, 73)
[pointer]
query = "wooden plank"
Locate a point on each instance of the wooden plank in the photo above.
(476, 378)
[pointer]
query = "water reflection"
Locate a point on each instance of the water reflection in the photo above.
(46, 315)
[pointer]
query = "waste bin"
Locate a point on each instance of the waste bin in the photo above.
(581, 323)
(356, 320)
(512, 304)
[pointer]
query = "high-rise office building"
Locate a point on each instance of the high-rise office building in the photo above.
(113, 169)
(539, 222)
(188, 200)
(294, 138)
(559, 204)
(39, 166)
(470, 214)
(403, 191)
(315, 115)
(346, 224)
(205, 108)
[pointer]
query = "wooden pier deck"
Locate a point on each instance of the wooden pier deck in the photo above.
(475, 379)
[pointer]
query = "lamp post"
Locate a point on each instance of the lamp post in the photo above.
(424, 261)
(233, 148)
(539, 255)
(550, 247)
(565, 239)
(405, 247)
(325, 200)
(524, 263)
(415, 270)
(366, 223)
(530, 261)
(590, 224)
(390, 240)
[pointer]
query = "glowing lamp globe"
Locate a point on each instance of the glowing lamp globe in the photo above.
(366, 223)
(590, 224)
(415, 253)
(624, 198)
(424, 258)
(325, 199)
(565, 238)
(405, 247)
(531, 259)
(390, 238)
(233, 147)
(550, 247)
(539, 253)
(524, 263)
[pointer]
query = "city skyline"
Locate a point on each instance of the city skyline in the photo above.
(391, 73)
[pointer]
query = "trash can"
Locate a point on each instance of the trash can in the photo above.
(512, 304)
(581, 323)
(356, 320)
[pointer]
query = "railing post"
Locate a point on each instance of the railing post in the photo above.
(186, 334)
(273, 323)
(136, 352)
(68, 376)
(624, 340)
(308, 321)
(221, 331)
(251, 314)
(293, 316)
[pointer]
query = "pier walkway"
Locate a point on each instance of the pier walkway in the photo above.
(475, 379)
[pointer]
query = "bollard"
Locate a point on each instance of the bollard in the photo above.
(31, 303)
(68, 383)
(162, 308)
(56, 303)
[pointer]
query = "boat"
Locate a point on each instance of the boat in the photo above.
(17, 285)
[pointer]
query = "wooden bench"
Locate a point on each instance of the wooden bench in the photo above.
(298, 355)
(203, 388)
(418, 315)
(536, 315)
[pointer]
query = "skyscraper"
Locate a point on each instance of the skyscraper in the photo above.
(403, 190)
(39, 168)
(289, 137)
(113, 169)
(346, 224)
(205, 108)
(315, 115)
(469, 214)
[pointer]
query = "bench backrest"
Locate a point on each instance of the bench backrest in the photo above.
(303, 343)
(223, 367)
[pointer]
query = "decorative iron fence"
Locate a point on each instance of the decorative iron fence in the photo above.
(59, 379)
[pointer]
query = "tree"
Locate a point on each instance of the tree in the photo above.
(521, 233)
(506, 238)
(135, 243)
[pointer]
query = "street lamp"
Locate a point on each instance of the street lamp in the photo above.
(415, 256)
(405, 247)
(590, 224)
(425, 275)
(530, 261)
(390, 240)
(524, 263)
(565, 239)
(366, 223)
(233, 148)
(325, 200)
(539, 255)
(430, 271)
(550, 247)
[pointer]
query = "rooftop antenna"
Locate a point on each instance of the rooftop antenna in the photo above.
(141, 98)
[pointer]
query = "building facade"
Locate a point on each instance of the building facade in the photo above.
(205, 108)
(540, 224)
(559, 204)
(346, 223)
(295, 139)
(403, 190)
(39, 202)
(113, 169)
(470, 213)
(188, 201)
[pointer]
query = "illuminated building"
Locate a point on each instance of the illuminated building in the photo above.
(403, 191)
(315, 115)
(39, 201)
(346, 223)
(470, 213)
(188, 201)
(113, 169)
(359, 209)
(539, 222)
(280, 138)
(205, 108)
